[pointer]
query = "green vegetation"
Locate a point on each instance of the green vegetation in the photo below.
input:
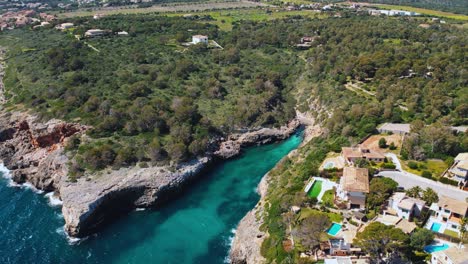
(451, 233)
(328, 198)
(433, 166)
(380, 189)
(382, 241)
(421, 238)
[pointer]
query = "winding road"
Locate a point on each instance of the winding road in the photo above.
(408, 180)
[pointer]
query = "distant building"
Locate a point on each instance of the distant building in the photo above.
(446, 214)
(392, 13)
(122, 33)
(404, 206)
(395, 128)
(353, 187)
(351, 154)
(64, 26)
(200, 39)
(94, 33)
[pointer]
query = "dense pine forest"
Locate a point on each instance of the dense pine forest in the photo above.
(147, 89)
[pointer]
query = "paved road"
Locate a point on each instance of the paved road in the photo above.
(408, 180)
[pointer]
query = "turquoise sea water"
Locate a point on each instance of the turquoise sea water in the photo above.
(195, 228)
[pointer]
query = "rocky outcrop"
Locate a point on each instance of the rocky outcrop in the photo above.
(234, 143)
(33, 150)
(91, 202)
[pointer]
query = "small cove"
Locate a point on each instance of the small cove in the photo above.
(195, 228)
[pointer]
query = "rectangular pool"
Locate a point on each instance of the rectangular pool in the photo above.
(334, 229)
(435, 227)
(315, 190)
(435, 248)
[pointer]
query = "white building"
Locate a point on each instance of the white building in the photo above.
(353, 187)
(199, 39)
(459, 170)
(94, 33)
(64, 26)
(447, 214)
(393, 13)
(453, 255)
(405, 207)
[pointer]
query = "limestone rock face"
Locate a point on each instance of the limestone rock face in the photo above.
(33, 150)
(233, 145)
(90, 203)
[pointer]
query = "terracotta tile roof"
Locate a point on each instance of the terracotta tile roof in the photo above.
(355, 180)
(453, 205)
(359, 152)
(408, 203)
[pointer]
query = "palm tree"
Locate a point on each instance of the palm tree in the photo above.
(414, 192)
(463, 228)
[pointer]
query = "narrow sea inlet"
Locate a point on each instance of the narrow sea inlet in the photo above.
(195, 228)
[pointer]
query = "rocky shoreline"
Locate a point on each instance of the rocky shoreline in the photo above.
(34, 152)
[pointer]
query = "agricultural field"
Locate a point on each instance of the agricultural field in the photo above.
(162, 8)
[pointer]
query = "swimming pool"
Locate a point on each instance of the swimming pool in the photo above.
(329, 165)
(334, 229)
(435, 248)
(435, 227)
(315, 190)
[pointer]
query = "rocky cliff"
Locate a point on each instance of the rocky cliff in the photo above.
(34, 152)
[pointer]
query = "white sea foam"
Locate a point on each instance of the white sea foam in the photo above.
(140, 209)
(229, 242)
(31, 187)
(6, 174)
(70, 240)
(53, 200)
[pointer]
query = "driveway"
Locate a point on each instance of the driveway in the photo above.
(408, 180)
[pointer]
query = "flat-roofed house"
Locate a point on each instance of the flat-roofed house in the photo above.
(94, 33)
(351, 154)
(447, 214)
(395, 128)
(405, 207)
(199, 39)
(353, 187)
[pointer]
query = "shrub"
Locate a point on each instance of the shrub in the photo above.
(382, 143)
(448, 181)
(413, 165)
(388, 166)
(427, 174)
(392, 146)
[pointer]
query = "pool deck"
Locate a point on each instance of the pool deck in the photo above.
(337, 161)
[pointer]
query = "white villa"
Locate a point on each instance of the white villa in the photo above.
(453, 255)
(446, 214)
(94, 33)
(405, 207)
(199, 39)
(353, 187)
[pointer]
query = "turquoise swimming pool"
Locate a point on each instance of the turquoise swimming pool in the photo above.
(435, 248)
(334, 229)
(435, 227)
